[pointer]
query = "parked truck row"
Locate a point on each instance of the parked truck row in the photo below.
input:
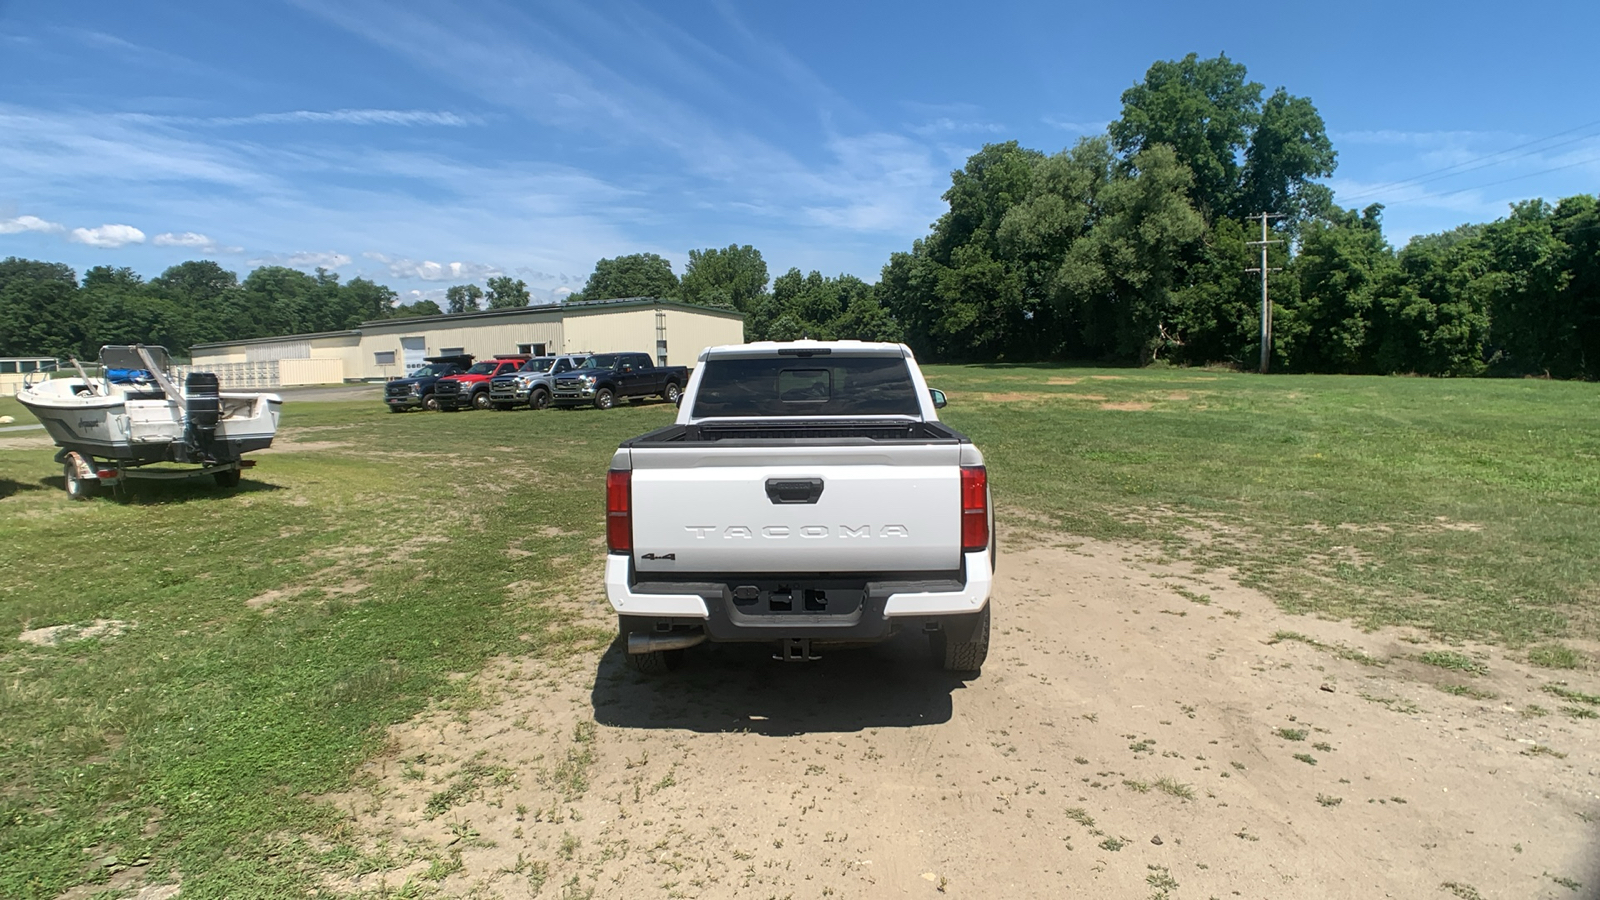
(511, 381)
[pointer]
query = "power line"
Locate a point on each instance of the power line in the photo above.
(1520, 177)
(1451, 169)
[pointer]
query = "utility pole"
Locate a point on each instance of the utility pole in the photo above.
(1266, 307)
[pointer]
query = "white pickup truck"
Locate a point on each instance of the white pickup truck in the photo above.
(807, 494)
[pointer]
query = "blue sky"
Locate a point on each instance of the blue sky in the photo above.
(429, 144)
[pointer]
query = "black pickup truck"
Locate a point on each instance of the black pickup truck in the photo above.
(416, 389)
(605, 378)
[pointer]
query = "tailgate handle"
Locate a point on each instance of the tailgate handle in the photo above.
(794, 490)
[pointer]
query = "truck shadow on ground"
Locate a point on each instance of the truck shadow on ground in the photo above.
(148, 493)
(9, 487)
(741, 688)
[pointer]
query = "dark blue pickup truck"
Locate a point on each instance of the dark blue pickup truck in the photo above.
(416, 390)
(605, 378)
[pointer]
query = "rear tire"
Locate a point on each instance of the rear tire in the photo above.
(962, 656)
(78, 487)
(539, 399)
(672, 393)
(604, 399)
(430, 403)
(227, 479)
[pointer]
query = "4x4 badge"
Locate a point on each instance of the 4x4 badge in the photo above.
(671, 556)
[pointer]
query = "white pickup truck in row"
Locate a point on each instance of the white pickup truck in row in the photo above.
(807, 494)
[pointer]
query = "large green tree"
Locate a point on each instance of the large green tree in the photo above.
(462, 298)
(734, 278)
(506, 292)
(633, 275)
(1246, 156)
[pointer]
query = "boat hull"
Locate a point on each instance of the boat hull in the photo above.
(135, 428)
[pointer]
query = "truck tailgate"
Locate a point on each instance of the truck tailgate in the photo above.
(727, 510)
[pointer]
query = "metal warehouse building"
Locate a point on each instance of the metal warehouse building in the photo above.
(390, 348)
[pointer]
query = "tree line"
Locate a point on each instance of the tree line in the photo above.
(1129, 246)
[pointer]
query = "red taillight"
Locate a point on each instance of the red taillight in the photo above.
(974, 509)
(619, 511)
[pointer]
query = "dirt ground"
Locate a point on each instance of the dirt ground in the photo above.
(1137, 732)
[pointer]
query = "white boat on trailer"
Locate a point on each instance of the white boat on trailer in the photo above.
(134, 417)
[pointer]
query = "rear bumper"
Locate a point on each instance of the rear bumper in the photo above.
(884, 605)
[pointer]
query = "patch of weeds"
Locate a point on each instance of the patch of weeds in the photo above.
(1181, 591)
(1291, 734)
(1326, 800)
(1142, 746)
(464, 786)
(1542, 750)
(569, 845)
(1080, 815)
(1580, 712)
(1174, 788)
(1080, 760)
(1568, 883)
(1393, 704)
(1324, 746)
(1113, 844)
(1137, 787)
(1455, 662)
(1237, 765)
(1555, 656)
(1161, 879)
(1464, 891)
(1463, 690)
(1339, 650)
(440, 869)
(1534, 711)
(1566, 693)
(1306, 758)
(1243, 835)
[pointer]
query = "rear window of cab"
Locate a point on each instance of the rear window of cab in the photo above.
(808, 386)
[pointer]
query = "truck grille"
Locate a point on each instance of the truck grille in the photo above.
(569, 384)
(397, 390)
(447, 388)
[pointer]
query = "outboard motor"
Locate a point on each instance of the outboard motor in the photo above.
(202, 406)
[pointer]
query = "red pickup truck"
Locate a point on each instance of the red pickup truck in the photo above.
(470, 389)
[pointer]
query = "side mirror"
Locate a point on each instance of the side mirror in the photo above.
(678, 402)
(939, 400)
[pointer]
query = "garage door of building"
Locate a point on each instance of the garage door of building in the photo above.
(415, 349)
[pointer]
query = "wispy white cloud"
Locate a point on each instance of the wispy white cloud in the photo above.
(313, 259)
(186, 239)
(193, 240)
(28, 223)
(108, 236)
(427, 270)
(946, 126)
(401, 117)
(1073, 126)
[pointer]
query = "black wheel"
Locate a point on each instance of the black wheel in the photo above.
(962, 656)
(227, 479)
(604, 399)
(78, 487)
(430, 402)
(539, 399)
(672, 393)
(481, 400)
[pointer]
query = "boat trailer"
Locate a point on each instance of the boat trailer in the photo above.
(85, 475)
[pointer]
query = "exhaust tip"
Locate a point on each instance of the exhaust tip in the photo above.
(641, 643)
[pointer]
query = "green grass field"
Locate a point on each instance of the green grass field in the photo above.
(271, 633)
